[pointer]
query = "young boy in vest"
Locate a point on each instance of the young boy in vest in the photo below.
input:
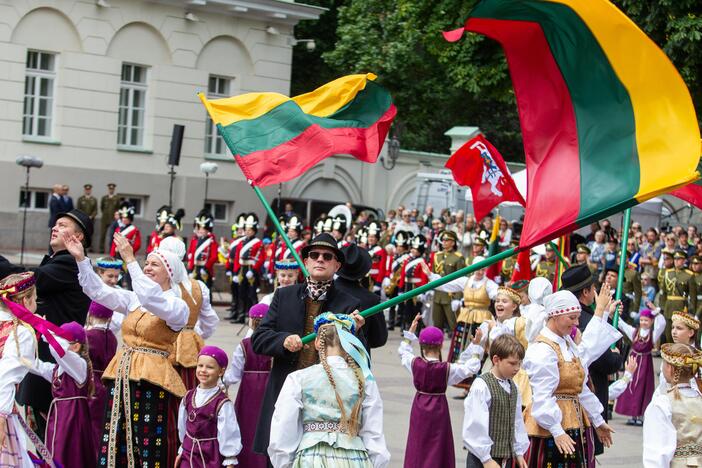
(493, 427)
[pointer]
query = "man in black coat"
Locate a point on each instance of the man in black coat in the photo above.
(60, 299)
(357, 264)
(291, 315)
(578, 280)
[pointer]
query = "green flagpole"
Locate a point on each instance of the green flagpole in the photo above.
(563, 261)
(623, 260)
(429, 286)
(280, 230)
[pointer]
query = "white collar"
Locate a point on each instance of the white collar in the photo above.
(207, 392)
(546, 332)
(337, 362)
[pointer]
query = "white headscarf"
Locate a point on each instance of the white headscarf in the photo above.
(172, 264)
(539, 288)
(176, 247)
(561, 303)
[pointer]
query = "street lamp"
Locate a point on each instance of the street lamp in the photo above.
(207, 168)
(393, 153)
(27, 162)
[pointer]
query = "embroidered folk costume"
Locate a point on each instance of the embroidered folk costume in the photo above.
(562, 403)
(430, 438)
(140, 379)
(308, 428)
(207, 424)
(252, 370)
(672, 432)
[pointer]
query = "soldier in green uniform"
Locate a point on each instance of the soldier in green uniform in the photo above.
(508, 264)
(696, 267)
(108, 205)
(678, 291)
(444, 262)
(582, 257)
(667, 264)
(631, 288)
(87, 202)
(477, 250)
(547, 267)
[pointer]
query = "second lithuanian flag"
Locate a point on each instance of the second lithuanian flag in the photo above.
(275, 138)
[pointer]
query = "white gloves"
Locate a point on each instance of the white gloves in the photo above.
(249, 274)
(385, 283)
(229, 273)
(235, 279)
(455, 304)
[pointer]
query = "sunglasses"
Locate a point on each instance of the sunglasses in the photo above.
(327, 256)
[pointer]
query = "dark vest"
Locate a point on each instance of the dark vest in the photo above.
(502, 413)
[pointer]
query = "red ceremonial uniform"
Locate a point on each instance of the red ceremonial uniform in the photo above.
(229, 266)
(132, 234)
(379, 263)
(154, 242)
(249, 253)
(412, 274)
(202, 253)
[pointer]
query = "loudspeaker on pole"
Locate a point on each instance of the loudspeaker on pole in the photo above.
(176, 145)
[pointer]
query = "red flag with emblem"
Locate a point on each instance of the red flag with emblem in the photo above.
(522, 268)
(478, 165)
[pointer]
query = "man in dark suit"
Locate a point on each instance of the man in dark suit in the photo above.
(56, 204)
(357, 264)
(578, 280)
(291, 316)
(60, 300)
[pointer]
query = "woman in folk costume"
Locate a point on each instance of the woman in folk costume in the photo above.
(140, 379)
(535, 313)
(69, 425)
(18, 349)
(430, 438)
(639, 392)
(311, 430)
(252, 370)
(478, 291)
(202, 320)
(672, 431)
(102, 346)
(563, 407)
(207, 424)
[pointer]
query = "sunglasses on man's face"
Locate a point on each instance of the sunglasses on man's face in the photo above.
(327, 256)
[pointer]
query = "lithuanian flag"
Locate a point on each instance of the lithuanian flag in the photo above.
(275, 138)
(607, 121)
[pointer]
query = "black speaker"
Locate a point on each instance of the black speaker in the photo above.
(176, 145)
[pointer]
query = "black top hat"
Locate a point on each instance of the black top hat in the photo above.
(84, 223)
(357, 263)
(576, 278)
(327, 241)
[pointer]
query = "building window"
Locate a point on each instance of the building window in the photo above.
(218, 210)
(137, 202)
(218, 87)
(39, 94)
(132, 106)
(35, 199)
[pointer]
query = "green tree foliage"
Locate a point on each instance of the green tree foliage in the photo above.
(437, 85)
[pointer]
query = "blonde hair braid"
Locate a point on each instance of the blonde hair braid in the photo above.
(85, 354)
(333, 340)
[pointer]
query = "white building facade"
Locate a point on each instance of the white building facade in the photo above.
(94, 87)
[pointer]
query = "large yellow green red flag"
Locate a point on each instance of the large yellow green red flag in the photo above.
(275, 138)
(607, 121)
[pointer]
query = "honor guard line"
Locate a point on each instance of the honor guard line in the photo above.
(470, 269)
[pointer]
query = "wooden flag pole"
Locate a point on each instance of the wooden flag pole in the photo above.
(279, 228)
(623, 260)
(429, 286)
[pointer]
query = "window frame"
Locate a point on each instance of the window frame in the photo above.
(210, 207)
(131, 87)
(212, 136)
(40, 76)
(33, 191)
(139, 207)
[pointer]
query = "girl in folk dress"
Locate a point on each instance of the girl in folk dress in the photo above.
(311, 430)
(430, 438)
(18, 349)
(672, 429)
(140, 380)
(207, 424)
(69, 426)
(287, 272)
(102, 345)
(684, 328)
(638, 394)
(252, 371)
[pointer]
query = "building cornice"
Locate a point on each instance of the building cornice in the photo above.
(274, 11)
